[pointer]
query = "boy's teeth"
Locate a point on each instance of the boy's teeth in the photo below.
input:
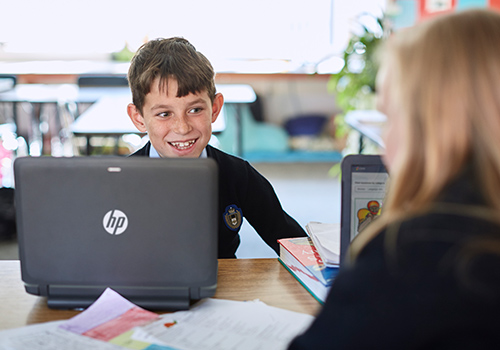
(182, 145)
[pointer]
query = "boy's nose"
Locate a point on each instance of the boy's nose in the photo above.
(181, 125)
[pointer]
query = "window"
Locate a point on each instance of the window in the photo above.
(257, 35)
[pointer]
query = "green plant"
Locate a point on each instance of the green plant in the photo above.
(354, 85)
(124, 55)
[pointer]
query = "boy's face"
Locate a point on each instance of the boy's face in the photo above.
(177, 126)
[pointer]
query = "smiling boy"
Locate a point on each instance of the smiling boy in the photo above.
(175, 102)
(177, 126)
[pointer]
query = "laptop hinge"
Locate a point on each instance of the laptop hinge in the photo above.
(157, 298)
(167, 304)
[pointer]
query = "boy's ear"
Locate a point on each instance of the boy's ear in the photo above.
(136, 117)
(217, 106)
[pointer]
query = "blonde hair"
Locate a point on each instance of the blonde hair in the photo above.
(445, 82)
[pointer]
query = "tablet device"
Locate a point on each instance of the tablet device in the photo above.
(363, 188)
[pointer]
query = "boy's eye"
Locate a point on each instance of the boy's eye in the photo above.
(164, 114)
(195, 110)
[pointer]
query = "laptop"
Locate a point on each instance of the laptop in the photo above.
(146, 228)
(364, 179)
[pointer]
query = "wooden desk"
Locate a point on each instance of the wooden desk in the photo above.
(238, 279)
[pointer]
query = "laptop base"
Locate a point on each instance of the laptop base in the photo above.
(154, 298)
(148, 304)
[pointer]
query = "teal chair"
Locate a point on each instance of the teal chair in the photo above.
(256, 136)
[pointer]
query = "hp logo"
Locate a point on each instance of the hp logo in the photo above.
(115, 222)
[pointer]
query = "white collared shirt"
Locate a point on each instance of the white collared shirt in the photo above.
(153, 153)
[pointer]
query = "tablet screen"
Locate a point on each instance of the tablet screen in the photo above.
(364, 179)
(367, 195)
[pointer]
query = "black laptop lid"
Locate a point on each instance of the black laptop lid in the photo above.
(144, 227)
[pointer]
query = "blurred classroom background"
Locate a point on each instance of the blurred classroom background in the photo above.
(293, 73)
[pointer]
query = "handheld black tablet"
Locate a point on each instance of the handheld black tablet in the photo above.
(364, 179)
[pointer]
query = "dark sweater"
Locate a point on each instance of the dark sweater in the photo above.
(244, 188)
(430, 291)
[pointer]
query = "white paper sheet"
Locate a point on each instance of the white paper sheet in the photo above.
(326, 239)
(210, 324)
(49, 336)
(225, 324)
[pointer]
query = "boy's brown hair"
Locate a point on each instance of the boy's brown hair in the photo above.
(170, 58)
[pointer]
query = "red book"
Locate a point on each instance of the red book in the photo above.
(301, 259)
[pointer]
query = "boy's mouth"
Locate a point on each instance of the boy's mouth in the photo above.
(183, 145)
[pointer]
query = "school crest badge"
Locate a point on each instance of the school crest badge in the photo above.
(233, 217)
